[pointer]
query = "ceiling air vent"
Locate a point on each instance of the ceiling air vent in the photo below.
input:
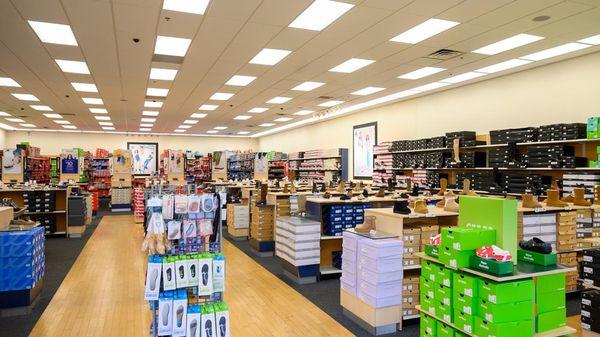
(325, 97)
(167, 59)
(250, 126)
(444, 54)
(67, 114)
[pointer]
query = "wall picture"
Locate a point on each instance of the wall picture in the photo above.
(364, 138)
(144, 157)
(176, 161)
(219, 163)
(69, 161)
(122, 161)
(12, 161)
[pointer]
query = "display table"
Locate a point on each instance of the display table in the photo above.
(262, 225)
(297, 244)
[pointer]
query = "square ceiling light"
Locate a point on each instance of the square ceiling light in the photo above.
(8, 82)
(320, 14)
(173, 46)
(53, 116)
(269, 57)
(163, 74)
(101, 111)
(61, 121)
(26, 97)
(420, 73)
(27, 125)
(150, 113)
(15, 120)
(258, 110)
(503, 66)
(307, 86)
(266, 124)
(330, 103)
(351, 65)
(221, 96)
(243, 132)
(102, 118)
(240, 80)
(279, 100)
(75, 67)
(242, 117)
(41, 107)
(186, 6)
(53, 33)
(367, 91)
(282, 119)
(69, 126)
(303, 112)
(148, 120)
(84, 87)
(208, 107)
(220, 127)
(508, 44)
(190, 121)
(198, 115)
(556, 51)
(92, 101)
(463, 77)
(424, 31)
(157, 92)
(153, 104)
(105, 123)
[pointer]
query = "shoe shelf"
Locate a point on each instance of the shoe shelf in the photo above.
(587, 285)
(311, 158)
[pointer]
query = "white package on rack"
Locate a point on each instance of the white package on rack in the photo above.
(181, 268)
(174, 230)
(193, 204)
(181, 204)
(205, 287)
(167, 206)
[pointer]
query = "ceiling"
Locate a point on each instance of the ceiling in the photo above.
(231, 32)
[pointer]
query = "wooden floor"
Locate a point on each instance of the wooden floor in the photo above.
(102, 294)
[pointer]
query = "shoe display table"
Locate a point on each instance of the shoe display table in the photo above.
(297, 245)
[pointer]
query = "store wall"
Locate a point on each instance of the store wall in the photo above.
(53, 142)
(2, 138)
(566, 91)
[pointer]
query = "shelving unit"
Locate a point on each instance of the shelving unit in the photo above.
(320, 165)
(198, 169)
(38, 169)
(240, 166)
(100, 176)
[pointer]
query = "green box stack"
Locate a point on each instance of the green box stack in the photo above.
(436, 290)
(550, 298)
(593, 131)
(460, 243)
(465, 295)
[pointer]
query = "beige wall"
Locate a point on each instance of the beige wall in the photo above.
(2, 138)
(53, 142)
(567, 91)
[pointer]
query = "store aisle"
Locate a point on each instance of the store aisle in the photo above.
(103, 293)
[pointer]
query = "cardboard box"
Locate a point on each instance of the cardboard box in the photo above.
(549, 284)
(464, 321)
(443, 294)
(6, 216)
(465, 239)
(455, 258)
(551, 320)
(444, 330)
(505, 292)
(427, 288)
(536, 258)
(428, 325)
(551, 301)
(508, 329)
(466, 284)
(445, 276)
(506, 312)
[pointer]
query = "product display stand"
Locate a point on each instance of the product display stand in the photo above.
(238, 221)
(321, 165)
(262, 228)
(297, 244)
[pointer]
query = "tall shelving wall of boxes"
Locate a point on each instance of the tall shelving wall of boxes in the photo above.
(320, 165)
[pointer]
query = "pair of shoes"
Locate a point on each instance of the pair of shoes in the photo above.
(380, 193)
(367, 225)
(553, 200)
(420, 207)
(529, 201)
(443, 186)
(451, 205)
(494, 253)
(326, 195)
(536, 245)
(401, 207)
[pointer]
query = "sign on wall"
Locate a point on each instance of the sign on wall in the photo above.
(144, 157)
(364, 138)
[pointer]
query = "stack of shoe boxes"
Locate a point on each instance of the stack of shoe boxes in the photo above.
(562, 132)
(436, 142)
(77, 211)
(348, 281)
(566, 223)
(585, 226)
(383, 164)
(263, 223)
(465, 138)
(501, 157)
(572, 180)
(550, 299)
(39, 204)
(336, 218)
(521, 135)
(540, 225)
(550, 156)
(412, 245)
(419, 177)
(524, 183)
(590, 311)
(22, 259)
(297, 240)
(569, 260)
(410, 294)
(433, 179)
(590, 268)
(469, 159)
(480, 181)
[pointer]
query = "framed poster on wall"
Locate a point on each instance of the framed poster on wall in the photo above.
(69, 161)
(144, 157)
(12, 161)
(364, 137)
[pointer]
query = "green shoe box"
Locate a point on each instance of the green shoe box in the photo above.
(455, 258)
(463, 238)
(464, 303)
(553, 301)
(464, 321)
(505, 292)
(443, 294)
(444, 330)
(550, 284)
(428, 325)
(433, 251)
(443, 311)
(428, 305)
(536, 258)
(506, 312)
(426, 288)
(429, 269)
(492, 266)
(551, 320)
(444, 277)
(465, 284)
(508, 329)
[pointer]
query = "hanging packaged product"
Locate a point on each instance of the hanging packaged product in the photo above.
(209, 205)
(181, 203)
(193, 321)
(168, 269)
(165, 314)
(193, 270)
(167, 206)
(189, 229)
(205, 227)
(153, 278)
(218, 272)
(222, 319)
(208, 321)
(179, 313)
(205, 287)
(181, 269)
(174, 230)
(193, 205)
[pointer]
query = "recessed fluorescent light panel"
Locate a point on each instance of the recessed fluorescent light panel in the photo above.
(108, 128)
(269, 57)
(242, 117)
(279, 100)
(320, 14)
(198, 115)
(8, 82)
(84, 87)
(243, 132)
(61, 121)
(430, 86)
(102, 118)
(15, 120)
(367, 91)
(53, 33)
(240, 80)
(98, 111)
(92, 101)
(463, 77)
(150, 113)
(266, 124)
(330, 103)
(179, 130)
(424, 31)
(258, 110)
(41, 107)
(146, 125)
(190, 121)
(184, 126)
(26, 97)
(208, 107)
(158, 92)
(307, 86)
(220, 127)
(173, 46)
(148, 120)
(420, 73)
(282, 119)
(4, 114)
(221, 96)
(303, 112)
(162, 74)
(556, 51)
(75, 67)
(105, 123)
(212, 131)
(508, 44)
(152, 104)
(351, 65)
(503, 66)
(145, 129)
(53, 116)
(591, 40)
(69, 126)
(186, 6)
(27, 125)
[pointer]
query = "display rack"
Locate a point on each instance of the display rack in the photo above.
(100, 176)
(240, 166)
(322, 165)
(38, 169)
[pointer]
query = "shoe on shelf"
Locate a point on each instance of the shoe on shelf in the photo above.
(529, 201)
(436, 240)
(536, 245)
(552, 199)
(365, 193)
(421, 207)
(554, 185)
(401, 207)
(326, 195)
(451, 205)
(341, 187)
(467, 188)
(443, 186)
(579, 197)
(380, 193)
(441, 203)
(415, 191)
(404, 196)
(367, 225)
(494, 253)
(568, 198)
(597, 195)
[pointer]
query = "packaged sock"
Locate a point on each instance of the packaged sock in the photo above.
(165, 313)
(193, 321)
(205, 286)
(168, 269)
(174, 230)
(179, 313)
(218, 272)
(181, 203)
(167, 206)
(181, 269)
(208, 321)
(153, 276)
(193, 270)
(222, 319)
(189, 229)
(193, 204)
